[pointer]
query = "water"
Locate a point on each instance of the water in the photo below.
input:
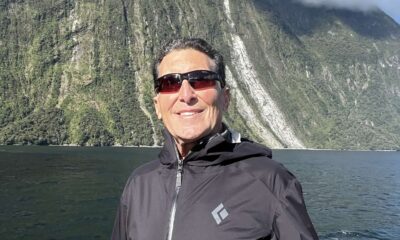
(63, 192)
(72, 192)
(350, 195)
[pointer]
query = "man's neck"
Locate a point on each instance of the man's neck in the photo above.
(185, 147)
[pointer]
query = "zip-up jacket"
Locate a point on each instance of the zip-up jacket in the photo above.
(226, 188)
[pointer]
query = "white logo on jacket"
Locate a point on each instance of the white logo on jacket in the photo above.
(219, 213)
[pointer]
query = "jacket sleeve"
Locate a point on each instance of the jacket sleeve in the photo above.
(119, 230)
(292, 221)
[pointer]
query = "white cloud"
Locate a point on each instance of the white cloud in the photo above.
(391, 7)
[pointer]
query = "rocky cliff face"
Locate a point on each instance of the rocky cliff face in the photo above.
(79, 72)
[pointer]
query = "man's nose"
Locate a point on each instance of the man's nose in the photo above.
(186, 93)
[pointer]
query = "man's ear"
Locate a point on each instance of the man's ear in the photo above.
(157, 106)
(227, 97)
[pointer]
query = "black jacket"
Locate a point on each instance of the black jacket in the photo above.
(222, 190)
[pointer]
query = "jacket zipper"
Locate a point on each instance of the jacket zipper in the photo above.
(178, 185)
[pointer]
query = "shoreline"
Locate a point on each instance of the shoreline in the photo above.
(158, 146)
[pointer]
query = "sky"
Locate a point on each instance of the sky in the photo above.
(391, 7)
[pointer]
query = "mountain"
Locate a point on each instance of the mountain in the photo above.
(79, 72)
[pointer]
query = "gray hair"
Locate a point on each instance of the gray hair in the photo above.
(192, 43)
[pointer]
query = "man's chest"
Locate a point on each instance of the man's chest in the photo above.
(208, 206)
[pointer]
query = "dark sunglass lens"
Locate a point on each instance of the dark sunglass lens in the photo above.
(202, 79)
(169, 84)
(202, 83)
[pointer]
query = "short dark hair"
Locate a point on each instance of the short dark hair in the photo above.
(198, 44)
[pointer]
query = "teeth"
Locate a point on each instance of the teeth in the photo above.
(187, 113)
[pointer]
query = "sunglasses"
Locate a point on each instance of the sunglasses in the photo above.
(199, 79)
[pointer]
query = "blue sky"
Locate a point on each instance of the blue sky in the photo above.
(392, 8)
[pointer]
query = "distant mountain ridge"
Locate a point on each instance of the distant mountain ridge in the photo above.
(79, 72)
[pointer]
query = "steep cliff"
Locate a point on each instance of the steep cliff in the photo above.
(79, 72)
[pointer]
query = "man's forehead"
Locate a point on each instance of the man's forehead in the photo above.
(185, 60)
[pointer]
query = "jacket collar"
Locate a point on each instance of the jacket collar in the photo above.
(205, 152)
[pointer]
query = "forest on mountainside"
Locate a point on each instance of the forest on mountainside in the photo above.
(79, 72)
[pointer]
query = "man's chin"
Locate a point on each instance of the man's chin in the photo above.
(190, 138)
(187, 141)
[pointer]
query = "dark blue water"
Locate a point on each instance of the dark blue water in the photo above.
(72, 192)
(350, 195)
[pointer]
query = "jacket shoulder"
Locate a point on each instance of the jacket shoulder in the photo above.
(145, 169)
(274, 175)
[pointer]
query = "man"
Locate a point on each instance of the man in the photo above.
(208, 183)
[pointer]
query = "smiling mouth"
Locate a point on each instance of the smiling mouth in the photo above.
(189, 113)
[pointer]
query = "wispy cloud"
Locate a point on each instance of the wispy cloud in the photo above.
(392, 7)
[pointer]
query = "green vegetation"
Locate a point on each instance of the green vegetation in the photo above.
(42, 127)
(79, 72)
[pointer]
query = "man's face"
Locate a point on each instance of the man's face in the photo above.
(190, 114)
